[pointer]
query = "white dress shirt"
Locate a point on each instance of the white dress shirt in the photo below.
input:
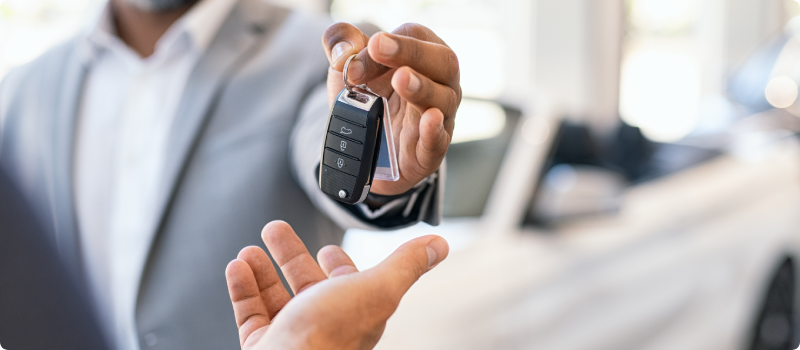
(127, 109)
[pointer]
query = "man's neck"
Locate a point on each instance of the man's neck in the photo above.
(140, 30)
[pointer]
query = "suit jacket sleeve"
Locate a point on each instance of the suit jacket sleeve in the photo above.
(422, 203)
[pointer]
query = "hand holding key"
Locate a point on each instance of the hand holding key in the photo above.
(419, 75)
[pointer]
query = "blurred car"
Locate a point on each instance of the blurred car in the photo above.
(564, 240)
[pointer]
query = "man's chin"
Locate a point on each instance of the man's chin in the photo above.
(159, 5)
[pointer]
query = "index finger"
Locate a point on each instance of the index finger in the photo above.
(435, 61)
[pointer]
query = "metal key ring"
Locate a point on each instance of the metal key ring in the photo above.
(344, 73)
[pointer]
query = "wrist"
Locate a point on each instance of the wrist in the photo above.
(390, 188)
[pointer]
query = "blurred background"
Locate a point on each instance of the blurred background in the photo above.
(623, 174)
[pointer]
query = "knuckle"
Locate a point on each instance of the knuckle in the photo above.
(429, 91)
(451, 62)
(421, 32)
(417, 174)
(411, 51)
(407, 29)
(414, 30)
(453, 101)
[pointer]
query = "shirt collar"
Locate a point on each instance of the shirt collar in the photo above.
(200, 24)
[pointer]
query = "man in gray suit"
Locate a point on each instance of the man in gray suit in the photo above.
(156, 143)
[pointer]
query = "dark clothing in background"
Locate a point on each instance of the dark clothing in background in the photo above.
(41, 307)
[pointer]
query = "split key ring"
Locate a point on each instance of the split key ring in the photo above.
(344, 73)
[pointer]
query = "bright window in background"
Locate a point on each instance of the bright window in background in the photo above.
(662, 81)
(29, 27)
(473, 29)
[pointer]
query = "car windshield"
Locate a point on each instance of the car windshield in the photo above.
(480, 142)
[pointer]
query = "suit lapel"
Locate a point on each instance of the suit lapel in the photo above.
(65, 112)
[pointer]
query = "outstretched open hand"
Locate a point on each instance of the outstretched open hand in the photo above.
(419, 75)
(335, 306)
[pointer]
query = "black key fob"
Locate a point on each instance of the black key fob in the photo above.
(351, 147)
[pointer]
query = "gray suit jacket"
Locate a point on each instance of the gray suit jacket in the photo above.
(37, 295)
(243, 152)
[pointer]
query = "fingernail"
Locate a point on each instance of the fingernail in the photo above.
(413, 83)
(437, 250)
(355, 71)
(339, 50)
(388, 45)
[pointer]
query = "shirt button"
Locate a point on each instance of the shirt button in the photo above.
(150, 339)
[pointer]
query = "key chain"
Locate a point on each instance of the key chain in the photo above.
(358, 145)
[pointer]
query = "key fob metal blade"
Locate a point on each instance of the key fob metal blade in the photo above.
(351, 147)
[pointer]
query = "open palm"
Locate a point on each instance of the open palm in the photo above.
(335, 306)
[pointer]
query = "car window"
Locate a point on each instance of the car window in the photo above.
(472, 165)
(627, 157)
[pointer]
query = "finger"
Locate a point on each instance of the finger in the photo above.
(273, 294)
(340, 41)
(436, 61)
(335, 262)
(382, 86)
(433, 140)
(424, 93)
(408, 263)
(299, 268)
(378, 59)
(363, 69)
(248, 308)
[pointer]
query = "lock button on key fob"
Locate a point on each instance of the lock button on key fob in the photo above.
(351, 146)
(346, 146)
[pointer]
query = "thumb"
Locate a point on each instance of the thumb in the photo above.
(409, 262)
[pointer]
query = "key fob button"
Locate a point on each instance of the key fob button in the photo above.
(342, 145)
(334, 182)
(341, 162)
(344, 129)
(351, 146)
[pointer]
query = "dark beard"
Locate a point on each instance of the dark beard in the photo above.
(159, 5)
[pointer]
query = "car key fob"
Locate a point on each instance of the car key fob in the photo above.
(352, 144)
